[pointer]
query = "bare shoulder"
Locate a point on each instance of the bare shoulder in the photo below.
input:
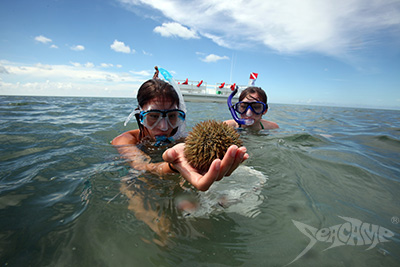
(231, 123)
(127, 138)
(269, 125)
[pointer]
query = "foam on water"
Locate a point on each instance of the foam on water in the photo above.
(240, 193)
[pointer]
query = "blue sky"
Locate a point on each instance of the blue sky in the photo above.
(337, 52)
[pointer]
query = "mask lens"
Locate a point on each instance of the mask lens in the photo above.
(175, 118)
(257, 107)
(241, 107)
(152, 118)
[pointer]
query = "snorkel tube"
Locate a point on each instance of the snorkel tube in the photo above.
(233, 113)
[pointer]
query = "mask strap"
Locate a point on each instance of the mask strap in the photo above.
(135, 112)
(182, 106)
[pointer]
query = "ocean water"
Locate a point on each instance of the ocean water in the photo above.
(323, 190)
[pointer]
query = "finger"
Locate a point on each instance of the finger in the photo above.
(245, 155)
(208, 179)
(170, 155)
(240, 156)
(228, 161)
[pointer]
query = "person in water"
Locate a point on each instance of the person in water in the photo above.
(252, 106)
(160, 121)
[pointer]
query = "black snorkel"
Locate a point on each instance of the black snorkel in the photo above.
(233, 113)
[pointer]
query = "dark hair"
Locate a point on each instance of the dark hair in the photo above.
(156, 88)
(251, 90)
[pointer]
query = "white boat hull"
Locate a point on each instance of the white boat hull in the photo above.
(207, 98)
(195, 92)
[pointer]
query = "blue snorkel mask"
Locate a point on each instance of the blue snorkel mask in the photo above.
(233, 113)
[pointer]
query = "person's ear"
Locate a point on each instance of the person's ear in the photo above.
(266, 110)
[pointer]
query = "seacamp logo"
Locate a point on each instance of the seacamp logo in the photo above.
(353, 232)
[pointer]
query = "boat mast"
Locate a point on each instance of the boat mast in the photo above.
(232, 66)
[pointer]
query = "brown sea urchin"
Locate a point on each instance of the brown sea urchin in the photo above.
(208, 141)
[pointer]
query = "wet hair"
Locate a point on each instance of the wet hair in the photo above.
(156, 88)
(251, 90)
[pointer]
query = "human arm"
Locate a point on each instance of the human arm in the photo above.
(218, 169)
(126, 144)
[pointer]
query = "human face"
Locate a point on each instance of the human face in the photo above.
(249, 113)
(160, 123)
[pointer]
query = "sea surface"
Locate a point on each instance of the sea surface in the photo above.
(323, 190)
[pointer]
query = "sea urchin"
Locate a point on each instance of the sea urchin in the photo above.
(208, 141)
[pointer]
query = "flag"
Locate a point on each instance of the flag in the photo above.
(253, 78)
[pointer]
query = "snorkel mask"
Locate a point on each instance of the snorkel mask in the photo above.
(233, 113)
(152, 118)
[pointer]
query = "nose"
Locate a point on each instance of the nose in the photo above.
(249, 113)
(163, 125)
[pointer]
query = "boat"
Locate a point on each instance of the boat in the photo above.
(200, 91)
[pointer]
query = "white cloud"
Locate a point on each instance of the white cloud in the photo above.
(89, 65)
(327, 27)
(43, 67)
(141, 73)
(173, 29)
(3, 70)
(76, 64)
(75, 79)
(106, 65)
(217, 39)
(106, 89)
(147, 53)
(75, 71)
(118, 46)
(78, 47)
(213, 58)
(43, 39)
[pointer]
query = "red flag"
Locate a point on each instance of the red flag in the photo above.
(253, 76)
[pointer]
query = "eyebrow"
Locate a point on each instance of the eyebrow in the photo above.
(252, 98)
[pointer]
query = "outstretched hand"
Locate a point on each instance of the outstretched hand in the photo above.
(218, 169)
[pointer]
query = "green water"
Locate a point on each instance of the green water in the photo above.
(61, 203)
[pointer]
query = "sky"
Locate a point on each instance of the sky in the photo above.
(318, 52)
